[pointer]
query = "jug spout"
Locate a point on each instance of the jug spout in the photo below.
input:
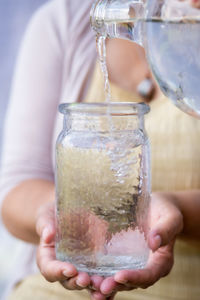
(118, 19)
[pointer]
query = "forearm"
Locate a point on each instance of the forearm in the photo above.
(20, 207)
(189, 204)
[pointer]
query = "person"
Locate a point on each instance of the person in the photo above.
(57, 62)
(180, 8)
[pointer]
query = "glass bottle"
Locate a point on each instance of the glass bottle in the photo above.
(169, 32)
(103, 187)
(118, 19)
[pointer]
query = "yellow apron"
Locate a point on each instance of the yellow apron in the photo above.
(175, 146)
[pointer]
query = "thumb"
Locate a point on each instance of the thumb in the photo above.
(165, 230)
(45, 223)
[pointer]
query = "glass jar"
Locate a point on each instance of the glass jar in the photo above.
(103, 187)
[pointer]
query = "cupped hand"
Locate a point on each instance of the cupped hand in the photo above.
(166, 222)
(52, 269)
(195, 3)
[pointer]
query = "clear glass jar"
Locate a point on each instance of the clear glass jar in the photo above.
(103, 187)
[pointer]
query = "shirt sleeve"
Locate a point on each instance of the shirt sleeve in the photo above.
(27, 144)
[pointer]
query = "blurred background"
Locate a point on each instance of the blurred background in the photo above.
(14, 16)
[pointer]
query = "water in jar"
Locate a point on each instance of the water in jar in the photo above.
(102, 203)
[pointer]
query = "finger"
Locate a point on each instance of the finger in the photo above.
(162, 261)
(159, 265)
(165, 230)
(58, 271)
(135, 278)
(52, 269)
(154, 240)
(45, 222)
(79, 282)
(97, 296)
(48, 234)
(70, 284)
(95, 282)
(83, 280)
(108, 286)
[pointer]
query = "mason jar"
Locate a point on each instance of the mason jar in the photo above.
(103, 187)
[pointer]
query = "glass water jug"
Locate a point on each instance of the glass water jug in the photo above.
(169, 31)
(103, 187)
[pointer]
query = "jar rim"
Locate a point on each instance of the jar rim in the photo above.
(114, 108)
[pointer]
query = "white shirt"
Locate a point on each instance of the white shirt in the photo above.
(176, 9)
(55, 65)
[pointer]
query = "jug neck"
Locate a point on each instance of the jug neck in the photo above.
(118, 19)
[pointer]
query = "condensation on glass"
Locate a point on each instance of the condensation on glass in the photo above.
(103, 187)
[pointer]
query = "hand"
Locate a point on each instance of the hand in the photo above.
(166, 223)
(52, 269)
(195, 3)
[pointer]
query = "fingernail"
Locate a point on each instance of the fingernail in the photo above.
(120, 280)
(45, 233)
(68, 274)
(123, 281)
(97, 296)
(81, 284)
(158, 240)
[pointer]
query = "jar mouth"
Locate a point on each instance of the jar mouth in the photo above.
(113, 108)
